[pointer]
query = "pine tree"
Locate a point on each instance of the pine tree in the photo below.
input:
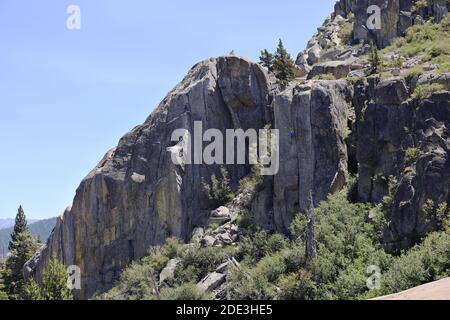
(22, 248)
(266, 59)
(55, 282)
(283, 65)
(31, 291)
(374, 59)
(39, 241)
(3, 295)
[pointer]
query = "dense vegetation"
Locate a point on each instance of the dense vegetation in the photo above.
(22, 247)
(273, 266)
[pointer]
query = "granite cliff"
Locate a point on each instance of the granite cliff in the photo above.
(356, 125)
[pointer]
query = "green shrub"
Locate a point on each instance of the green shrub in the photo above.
(298, 227)
(136, 283)
(415, 71)
(260, 244)
(271, 267)
(412, 155)
(54, 283)
(395, 63)
(219, 191)
(245, 220)
(444, 63)
(351, 282)
(424, 91)
(196, 263)
(297, 286)
(246, 285)
(187, 292)
(419, 5)
(376, 64)
(294, 256)
(172, 248)
(346, 29)
(31, 291)
(424, 263)
(346, 246)
(429, 41)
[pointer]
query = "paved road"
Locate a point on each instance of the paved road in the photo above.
(439, 290)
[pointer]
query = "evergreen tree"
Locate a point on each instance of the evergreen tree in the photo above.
(3, 295)
(266, 59)
(22, 248)
(55, 282)
(283, 65)
(31, 291)
(39, 241)
(374, 59)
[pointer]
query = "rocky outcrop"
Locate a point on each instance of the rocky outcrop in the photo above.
(211, 282)
(312, 147)
(345, 34)
(326, 45)
(137, 197)
(396, 17)
(338, 69)
(403, 156)
(168, 272)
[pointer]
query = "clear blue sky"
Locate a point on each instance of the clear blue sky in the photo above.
(66, 97)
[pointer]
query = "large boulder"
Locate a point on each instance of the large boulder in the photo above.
(211, 281)
(168, 272)
(339, 69)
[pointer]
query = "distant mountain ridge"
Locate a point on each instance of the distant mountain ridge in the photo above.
(8, 223)
(41, 228)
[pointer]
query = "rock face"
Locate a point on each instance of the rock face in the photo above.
(403, 154)
(396, 17)
(312, 148)
(333, 41)
(136, 197)
(338, 69)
